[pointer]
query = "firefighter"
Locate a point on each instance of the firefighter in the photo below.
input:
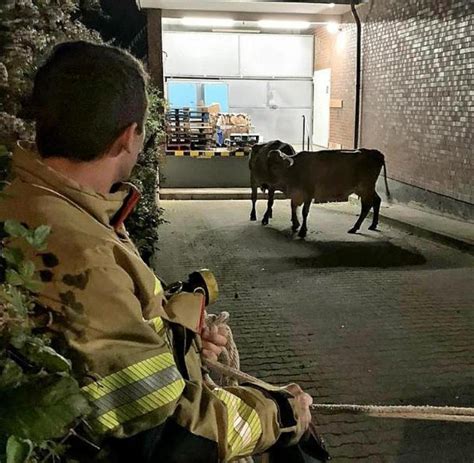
(136, 353)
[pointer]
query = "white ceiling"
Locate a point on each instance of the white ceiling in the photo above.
(246, 6)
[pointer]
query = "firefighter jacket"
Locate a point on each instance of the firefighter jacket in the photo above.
(135, 354)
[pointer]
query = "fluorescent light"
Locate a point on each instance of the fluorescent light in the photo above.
(275, 24)
(207, 22)
(332, 27)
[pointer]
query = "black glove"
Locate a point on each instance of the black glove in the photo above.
(310, 449)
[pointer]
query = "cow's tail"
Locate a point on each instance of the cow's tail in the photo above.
(385, 178)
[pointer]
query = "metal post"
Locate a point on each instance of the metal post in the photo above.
(358, 75)
(304, 128)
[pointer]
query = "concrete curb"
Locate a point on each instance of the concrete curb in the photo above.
(172, 194)
(432, 235)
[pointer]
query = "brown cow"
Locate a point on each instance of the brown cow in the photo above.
(328, 176)
(259, 175)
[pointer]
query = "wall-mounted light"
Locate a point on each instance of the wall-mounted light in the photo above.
(207, 22)
(332, 27)
(276, 24)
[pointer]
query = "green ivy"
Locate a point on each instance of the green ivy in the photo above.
(40, 401)
(144, 221)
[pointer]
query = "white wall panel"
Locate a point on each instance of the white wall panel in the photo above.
(276, 55)
(248, 93)
(282, 124)
(290, 94)
(200, 54)
(219, 54)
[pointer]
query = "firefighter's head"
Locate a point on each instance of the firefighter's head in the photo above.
(90, 102)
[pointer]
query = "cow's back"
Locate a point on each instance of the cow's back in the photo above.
(332, 175)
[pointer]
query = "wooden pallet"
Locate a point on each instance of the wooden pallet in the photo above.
(185, 126)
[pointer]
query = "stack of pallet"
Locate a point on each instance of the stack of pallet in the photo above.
(231, 123)
(189, 129)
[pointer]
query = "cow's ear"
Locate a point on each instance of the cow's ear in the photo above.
(274, 155)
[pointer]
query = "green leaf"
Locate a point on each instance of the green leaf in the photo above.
(44, 408)
(18, 337)
(13, 278)
(11, 375)
(18, 450)
(4, 151)
(34, 286)
(37, 237)
(27, 269)
(15, 229)
(45, 357)
(14, 256)
(18, 301)
(40, 236)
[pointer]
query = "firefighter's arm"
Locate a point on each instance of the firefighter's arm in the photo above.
(134, 384)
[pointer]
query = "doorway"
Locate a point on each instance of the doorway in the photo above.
(321, 102)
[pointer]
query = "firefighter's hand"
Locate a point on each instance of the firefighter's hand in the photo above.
(213, 342)
(301, 404)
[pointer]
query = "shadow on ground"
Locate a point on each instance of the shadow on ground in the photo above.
(339, 254)
(381, 254)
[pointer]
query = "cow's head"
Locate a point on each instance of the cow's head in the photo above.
(255, 153)
(278, 165)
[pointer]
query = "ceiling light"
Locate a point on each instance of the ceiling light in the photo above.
(207, 22)
(332, 27)
(275, 24)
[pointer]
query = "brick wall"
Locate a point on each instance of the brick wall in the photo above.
(418, 97)
(337, 52)
(418, 90)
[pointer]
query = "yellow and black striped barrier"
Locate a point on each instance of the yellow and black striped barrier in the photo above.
(206, 154)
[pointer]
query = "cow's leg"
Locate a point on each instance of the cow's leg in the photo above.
(375, 221)
(253, 213)
(294, 216)
(268, 212)
(304, 227)
(366, 205)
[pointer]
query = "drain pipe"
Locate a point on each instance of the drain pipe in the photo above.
(304, 127)
(358, 74)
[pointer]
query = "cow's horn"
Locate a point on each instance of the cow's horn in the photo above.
(290, 160)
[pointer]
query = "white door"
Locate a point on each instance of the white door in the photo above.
(322, 93)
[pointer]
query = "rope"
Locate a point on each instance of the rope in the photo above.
(229, 360)
(408, 412)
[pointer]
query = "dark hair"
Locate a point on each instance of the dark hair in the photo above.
(84, 96)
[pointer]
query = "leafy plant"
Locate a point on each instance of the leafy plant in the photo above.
(143, 222)
(29, 29)
(40, 401)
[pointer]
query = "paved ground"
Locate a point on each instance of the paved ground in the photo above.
(383, 318)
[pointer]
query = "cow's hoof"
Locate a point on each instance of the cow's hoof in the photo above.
(302, 234)
(352, 231)
(253, 218)
(265, 221)
(373, 228)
